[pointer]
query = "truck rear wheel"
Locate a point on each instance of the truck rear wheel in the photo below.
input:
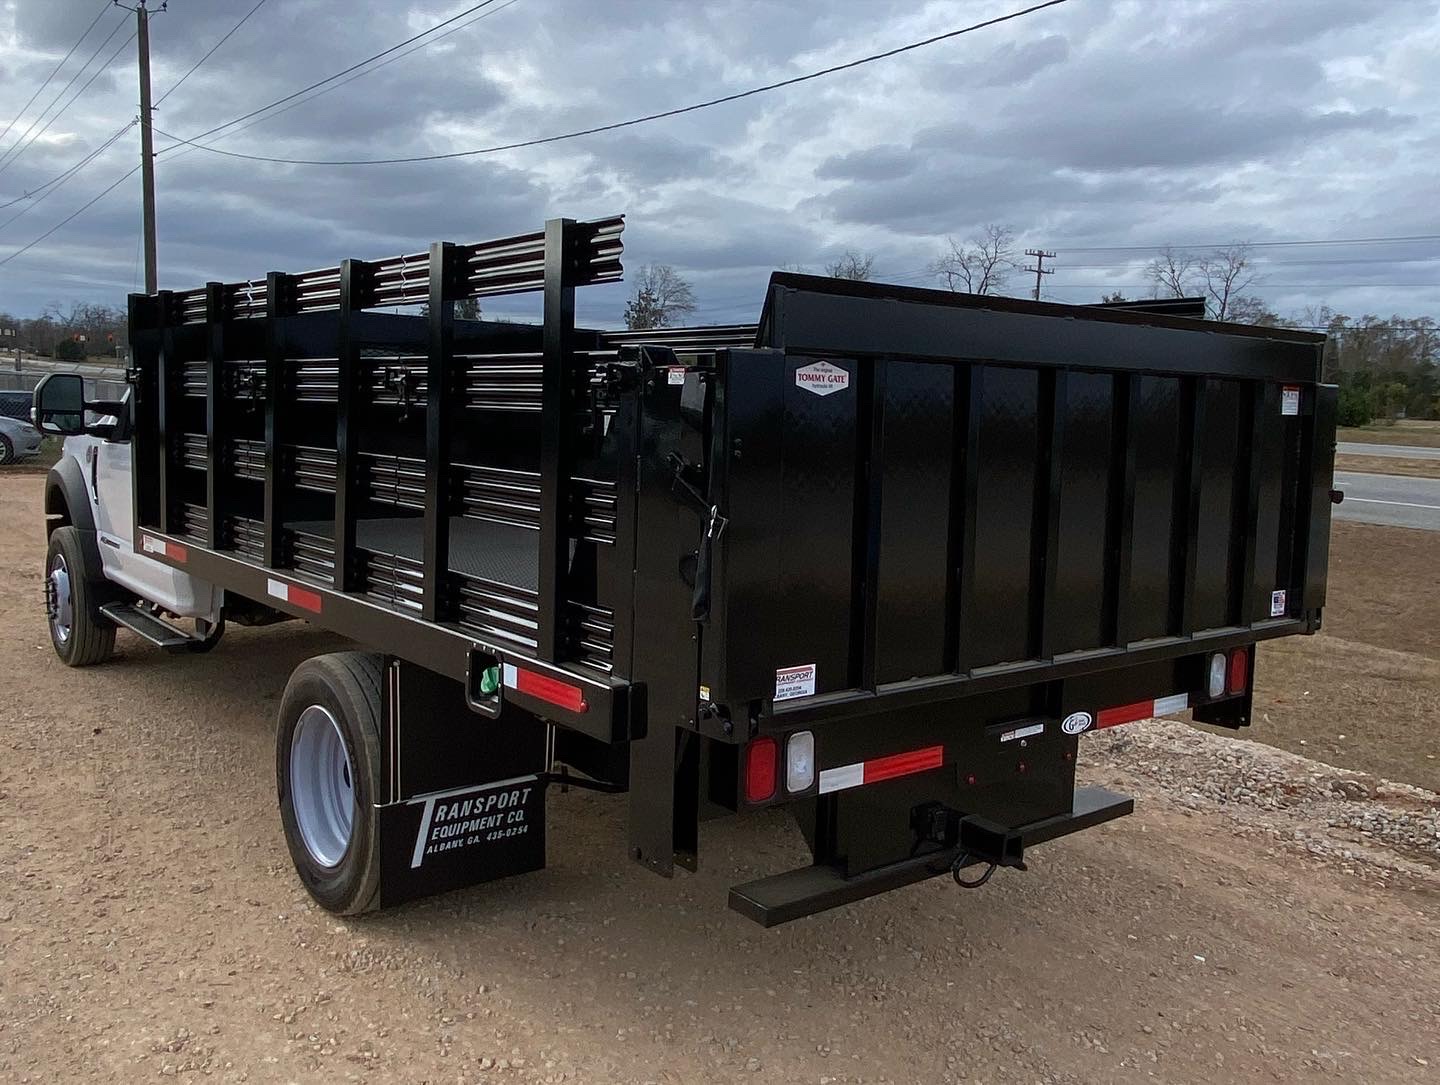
(328, 773)
(80, 636)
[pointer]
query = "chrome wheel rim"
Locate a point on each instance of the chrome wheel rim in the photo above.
(322, 786)
(61, 604)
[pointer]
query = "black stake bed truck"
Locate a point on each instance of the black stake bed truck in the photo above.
(884, 558)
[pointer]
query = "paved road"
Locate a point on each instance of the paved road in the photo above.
(1409, 452)
(1389, 499)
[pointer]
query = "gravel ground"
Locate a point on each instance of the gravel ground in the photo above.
(1262, 917)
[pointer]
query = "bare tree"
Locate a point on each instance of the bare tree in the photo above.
(1172, 273)
(1225, 274)
(853, 265)
(980, 266)
(1248, 309)
(661, 299)
(1113, 299)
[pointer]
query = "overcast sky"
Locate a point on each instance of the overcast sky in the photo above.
(1100, 123)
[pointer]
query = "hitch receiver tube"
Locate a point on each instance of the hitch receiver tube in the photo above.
(807, 890)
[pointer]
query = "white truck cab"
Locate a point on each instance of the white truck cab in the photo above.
(95, 579)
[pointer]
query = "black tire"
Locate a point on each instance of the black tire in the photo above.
(90, 638)
(209, 636)
(347, 685)
(7, 451)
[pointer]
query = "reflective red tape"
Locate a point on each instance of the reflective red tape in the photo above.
(545, 688)
(1128, 713)
(903, 764)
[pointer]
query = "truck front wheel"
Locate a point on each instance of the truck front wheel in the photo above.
(328, 773)
(80, 636)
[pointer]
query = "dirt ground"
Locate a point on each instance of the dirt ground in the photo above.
(1260, 917)
(1365, 692)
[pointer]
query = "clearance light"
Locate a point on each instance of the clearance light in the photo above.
(800, 762)
(760, 757)
(1219, 674)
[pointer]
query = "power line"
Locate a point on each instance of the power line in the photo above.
(60, 181)
(63, 174)
(322, 82)
(56, 70)
(210, 53)
(611, 127)
(332, 78)
(12, 153)
(351, 79)
(72, 216)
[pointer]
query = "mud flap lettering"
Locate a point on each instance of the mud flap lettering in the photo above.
(434, 843)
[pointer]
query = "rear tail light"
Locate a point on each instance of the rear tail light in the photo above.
(1239, 670)
(1219, 670)
(760, 759)
(800, 762)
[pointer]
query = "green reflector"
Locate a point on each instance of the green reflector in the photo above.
(490, 680)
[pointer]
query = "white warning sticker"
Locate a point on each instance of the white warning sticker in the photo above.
(1028, 731)
(1277, 604)
(793, 682)
(675, 375)
(822, 378)
(1290, 399)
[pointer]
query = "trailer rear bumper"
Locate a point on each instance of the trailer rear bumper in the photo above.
(781, 898)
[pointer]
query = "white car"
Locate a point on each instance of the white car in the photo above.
(18, 438)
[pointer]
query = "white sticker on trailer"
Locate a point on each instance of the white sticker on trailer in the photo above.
(822, 378)
(1277, 604)
(675, 375)
(1027, 731)
(791, 682)
(1290, 400)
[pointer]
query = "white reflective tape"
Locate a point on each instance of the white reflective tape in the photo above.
(509, 675)
(278, 588)
(1179, 702)
(841, 778)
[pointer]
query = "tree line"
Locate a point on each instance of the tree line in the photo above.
(72, 332)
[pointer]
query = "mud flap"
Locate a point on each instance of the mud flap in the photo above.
(452, 839)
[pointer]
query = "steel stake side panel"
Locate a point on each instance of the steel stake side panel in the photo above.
(927, 496)
(445, 489)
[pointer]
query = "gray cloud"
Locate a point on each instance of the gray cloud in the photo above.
(1102, 123)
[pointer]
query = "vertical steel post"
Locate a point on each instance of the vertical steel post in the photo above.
(869, 509)
(214, 392)
(963, 539)
(1189, 478)
(1120, 539)
(347, 421)
(437, 429)
(164, 379)
(276, 309)
(555, 421)
(1045, 522)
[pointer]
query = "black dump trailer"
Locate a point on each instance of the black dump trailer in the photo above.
(883, 558)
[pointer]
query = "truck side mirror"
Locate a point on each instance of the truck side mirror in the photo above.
(59, 404)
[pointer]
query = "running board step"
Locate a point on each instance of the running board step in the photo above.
(146, 626)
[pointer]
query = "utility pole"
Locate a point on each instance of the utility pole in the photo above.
(1040, 269)
(147, 142)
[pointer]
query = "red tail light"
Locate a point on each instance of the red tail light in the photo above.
(761, 757)
(1239, 670)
